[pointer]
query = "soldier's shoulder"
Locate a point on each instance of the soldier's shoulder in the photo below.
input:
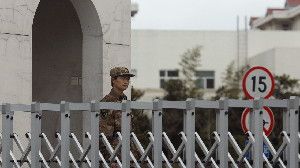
(108, 98)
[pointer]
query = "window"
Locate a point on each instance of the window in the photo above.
(166, 75)
(173, 73)
(205, 79)
(162, 73)
(286, 26)
(210, 83)
(162, 83)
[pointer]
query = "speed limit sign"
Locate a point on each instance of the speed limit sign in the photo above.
(258, 82)
(268, 120)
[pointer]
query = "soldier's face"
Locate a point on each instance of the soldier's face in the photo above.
(121, 82)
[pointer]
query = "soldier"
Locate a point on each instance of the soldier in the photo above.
(110, 121)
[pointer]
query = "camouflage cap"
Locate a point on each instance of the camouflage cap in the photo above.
(120, 71)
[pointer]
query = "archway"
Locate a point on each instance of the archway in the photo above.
(67, 58)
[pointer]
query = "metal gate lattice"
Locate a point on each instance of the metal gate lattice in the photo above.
(153, 156)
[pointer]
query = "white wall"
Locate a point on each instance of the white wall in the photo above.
(296, 23)
(279, 61)
(106, 42)
(287, 61)
(266, 59)
(153, 50)
(260, 41)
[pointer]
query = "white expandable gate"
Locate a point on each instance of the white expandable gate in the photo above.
(218, 156)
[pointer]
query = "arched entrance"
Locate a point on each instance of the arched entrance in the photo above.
(57, 61)
(66, 58)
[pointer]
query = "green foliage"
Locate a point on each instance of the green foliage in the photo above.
(176, 90)
(190, 62)
(231, 83)
(136, 94)
(184, 88)
(140, 121)
(285, 87)
(181, 89)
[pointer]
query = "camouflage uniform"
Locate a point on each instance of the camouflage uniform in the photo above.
(110, 120)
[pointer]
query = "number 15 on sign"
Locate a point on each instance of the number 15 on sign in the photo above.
(258, 82)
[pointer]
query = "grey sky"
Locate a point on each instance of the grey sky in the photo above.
(198, 14)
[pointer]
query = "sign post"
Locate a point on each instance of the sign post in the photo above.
(258, 82)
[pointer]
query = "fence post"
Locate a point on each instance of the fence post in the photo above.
(125, 123)
(190, 133)
(7, 133)
(286, 128)
(294, 129)
(258, 132)
(95, 134)
(157, 131)
(65, 133)
(222, 128)
(35, 143)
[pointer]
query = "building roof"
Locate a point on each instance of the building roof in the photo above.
(291, 10)
(252, 19)
(292, 3)
(272, 10)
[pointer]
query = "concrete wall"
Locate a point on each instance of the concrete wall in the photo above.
(261, 41)
(153, 50)
(287, 61)
(279, 61)
(266, 59)
(105, 29)
(296, 23)
(57, 58)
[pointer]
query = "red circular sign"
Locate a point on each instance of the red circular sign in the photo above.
(258, 82)
(269, 117)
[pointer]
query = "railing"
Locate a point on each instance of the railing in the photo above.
(217, 155)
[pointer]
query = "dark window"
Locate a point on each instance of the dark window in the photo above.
(205, 79)
(286, 27)
(162, 83)
(202, 74)
(162, 73)
(210, 83)
(174, 73)
(200, 83)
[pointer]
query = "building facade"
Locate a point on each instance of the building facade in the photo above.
(53, 50)
(156, 55)
(287, 18)
(281, 59)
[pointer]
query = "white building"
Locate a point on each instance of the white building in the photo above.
(281, 59)
(154, 52)
(287, 18)
(53, 50)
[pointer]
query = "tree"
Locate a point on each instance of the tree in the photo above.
(136, 94)
(231, 83)
(285, 87)
(140, 121)
(190, 62)
(181, 89)
(176, 90)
